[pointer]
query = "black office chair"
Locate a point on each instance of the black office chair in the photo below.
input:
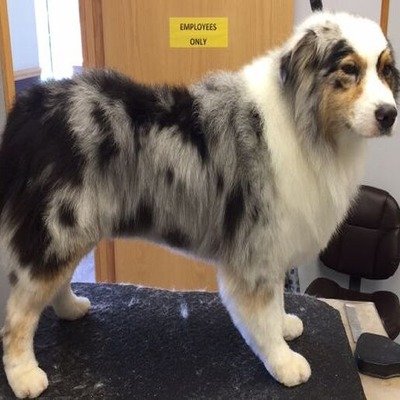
(366, 246)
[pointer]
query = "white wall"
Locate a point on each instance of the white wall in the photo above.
(65, 32)
(59, 37)
(367, 8)
(21, 14)
(383, 163)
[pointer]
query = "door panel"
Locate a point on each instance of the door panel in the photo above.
(136, 36)
(149, 265)
(132, 36)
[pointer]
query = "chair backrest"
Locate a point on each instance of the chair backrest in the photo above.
(367, 245)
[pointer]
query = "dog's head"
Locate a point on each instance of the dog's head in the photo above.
(340, 72)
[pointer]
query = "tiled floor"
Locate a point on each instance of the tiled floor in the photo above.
(85, 270)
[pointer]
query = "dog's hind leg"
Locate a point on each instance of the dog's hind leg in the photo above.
(257, 311)
(67, 305)
(28, 297)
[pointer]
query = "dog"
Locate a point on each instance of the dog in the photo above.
(253, 169)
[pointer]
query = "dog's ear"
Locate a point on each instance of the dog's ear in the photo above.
(301, 57)
(395, 86)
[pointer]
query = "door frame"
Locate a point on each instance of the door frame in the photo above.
(7, 70)
(384, 15)
(91, 17)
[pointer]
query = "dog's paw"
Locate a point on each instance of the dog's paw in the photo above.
(292, 326)
(75, 308)
(27, 383)
(289, 368)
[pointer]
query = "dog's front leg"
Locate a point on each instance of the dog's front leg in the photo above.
(257, 311)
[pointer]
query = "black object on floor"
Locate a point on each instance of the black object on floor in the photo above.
(377, 355)
(141, 343)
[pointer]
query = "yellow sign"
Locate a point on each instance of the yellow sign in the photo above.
(198, 32)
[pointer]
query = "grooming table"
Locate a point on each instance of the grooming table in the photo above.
(139, 343)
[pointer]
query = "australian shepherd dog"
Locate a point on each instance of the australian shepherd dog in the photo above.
(252, 169)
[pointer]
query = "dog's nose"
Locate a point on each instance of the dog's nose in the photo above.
(386, 115)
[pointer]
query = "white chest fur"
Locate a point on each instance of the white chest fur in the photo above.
(314, 189)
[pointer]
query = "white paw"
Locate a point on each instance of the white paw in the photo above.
(73, 309)
(27, 383)
(289, 368)
(292, 326)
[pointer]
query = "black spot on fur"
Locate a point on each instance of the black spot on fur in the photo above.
(396, 74)
(183, 113)
(140, 101)
(303, 57)
(336, 54)
(309, 56)
(31, 238)
(62, 94)
(256, 123)
(13, 278)
(139, 223)
(100, 118)
(126, 227)
(234, 212)
(66, 215)
(146, 106)
(394, 78)
(106, 151)
(144, 217)
(338, 84)
(220, 184)
(176, 238)
(169, 176)
(32, 101)
(36, 139)
(51, 266)
(37, 156)
(396, 82)
(107, 148)
(28, 108)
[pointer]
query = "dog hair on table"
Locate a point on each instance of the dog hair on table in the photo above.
(252, 170)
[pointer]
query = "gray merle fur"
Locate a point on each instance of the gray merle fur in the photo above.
(102, 156)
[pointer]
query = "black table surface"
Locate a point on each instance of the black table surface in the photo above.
(139, 343)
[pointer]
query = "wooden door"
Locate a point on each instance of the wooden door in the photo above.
(132, 36)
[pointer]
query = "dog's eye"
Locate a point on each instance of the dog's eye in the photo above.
(387, 70)
(350, 69)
